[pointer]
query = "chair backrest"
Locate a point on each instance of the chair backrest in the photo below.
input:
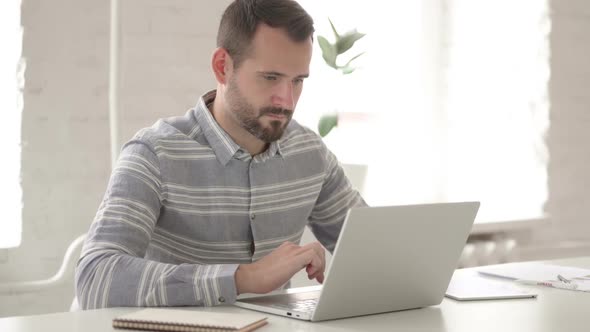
(357, 174)
(66, 270)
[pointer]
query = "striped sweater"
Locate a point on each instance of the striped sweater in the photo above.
(185, 205)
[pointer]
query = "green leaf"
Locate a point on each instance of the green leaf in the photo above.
(334, 29)
(347, 69)
(328, 51)
(347, 41)
(327, 123)
(354, 57)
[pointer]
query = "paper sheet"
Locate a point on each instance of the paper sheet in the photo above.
(533, 271)
(539, 272)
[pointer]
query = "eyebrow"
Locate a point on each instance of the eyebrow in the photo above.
(276, 73)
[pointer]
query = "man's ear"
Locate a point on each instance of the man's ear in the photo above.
(220, 63)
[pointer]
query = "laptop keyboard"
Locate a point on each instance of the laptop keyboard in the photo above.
(300, 306)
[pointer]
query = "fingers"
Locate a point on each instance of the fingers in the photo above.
(310, 256)
(318, 274)
(317, 247)
(316, 266)
(320, 278)
(276, 268)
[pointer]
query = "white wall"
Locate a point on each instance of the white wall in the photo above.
(568, 138)
(569, 135)
(166, 47)
(64, 146)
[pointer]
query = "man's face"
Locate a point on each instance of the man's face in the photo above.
(263, 91)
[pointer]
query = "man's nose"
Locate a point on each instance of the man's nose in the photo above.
(284, 96)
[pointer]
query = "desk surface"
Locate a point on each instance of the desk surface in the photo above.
(553, 310)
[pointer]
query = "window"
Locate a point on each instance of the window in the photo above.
(449, 102)
(497, 106)
(11, 82)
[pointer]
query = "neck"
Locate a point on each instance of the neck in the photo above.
(241, 136)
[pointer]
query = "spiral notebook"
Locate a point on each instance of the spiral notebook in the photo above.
(188, 321)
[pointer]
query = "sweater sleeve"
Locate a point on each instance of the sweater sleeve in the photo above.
(112, 270)
(335, 199)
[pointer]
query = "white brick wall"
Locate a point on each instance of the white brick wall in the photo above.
(165, 54)
(166, 49)
(569, 134)
(64, 147)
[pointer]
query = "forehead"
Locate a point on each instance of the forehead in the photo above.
(273, 49)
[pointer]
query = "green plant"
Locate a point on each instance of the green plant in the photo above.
(342, 43)
(330, 54)
(327, 123)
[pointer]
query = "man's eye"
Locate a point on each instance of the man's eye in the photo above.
(270, 77)
(298, 81)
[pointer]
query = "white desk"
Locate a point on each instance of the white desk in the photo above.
(553, 310)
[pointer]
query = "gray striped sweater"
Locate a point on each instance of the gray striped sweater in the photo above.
(185, 205)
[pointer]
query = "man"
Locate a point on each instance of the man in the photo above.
(204, 207)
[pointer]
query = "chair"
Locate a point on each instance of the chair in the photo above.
(65, 271)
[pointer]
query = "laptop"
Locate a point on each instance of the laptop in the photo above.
(386, 259)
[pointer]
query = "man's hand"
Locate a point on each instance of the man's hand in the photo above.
(276, 268)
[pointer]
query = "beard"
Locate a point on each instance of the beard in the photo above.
(250, 119)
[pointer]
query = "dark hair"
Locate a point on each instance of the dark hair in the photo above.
(242, 17)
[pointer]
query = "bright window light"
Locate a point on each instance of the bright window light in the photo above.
(497, 106)
(11, 83)
(449, 102)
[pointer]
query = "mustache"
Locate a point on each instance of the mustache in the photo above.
(276, 111)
